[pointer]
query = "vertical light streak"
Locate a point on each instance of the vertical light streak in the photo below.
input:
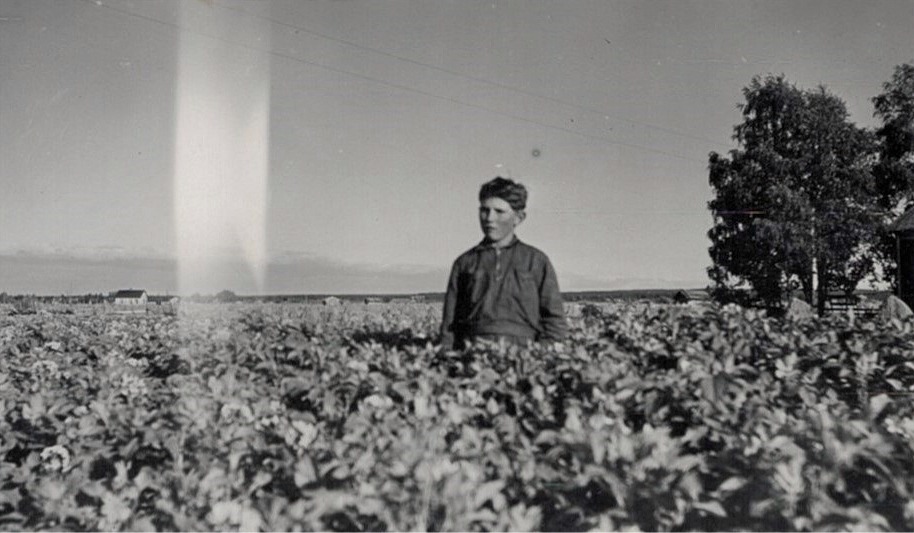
(221, 149)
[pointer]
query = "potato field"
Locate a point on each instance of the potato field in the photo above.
(281, 417)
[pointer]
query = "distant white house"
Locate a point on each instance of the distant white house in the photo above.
(131, 297)
(331, 300)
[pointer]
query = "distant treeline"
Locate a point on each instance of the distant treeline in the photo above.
(94, 298)
(628, 295)
(228, 296)
(569, 296)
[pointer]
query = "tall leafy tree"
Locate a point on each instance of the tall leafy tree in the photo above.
(793, 203)
(894, 172)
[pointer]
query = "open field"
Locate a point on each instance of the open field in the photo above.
(290, 416)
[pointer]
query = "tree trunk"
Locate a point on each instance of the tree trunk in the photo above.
(821, 294)
(809, 287)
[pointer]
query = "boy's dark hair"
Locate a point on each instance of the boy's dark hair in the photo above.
(508, 190)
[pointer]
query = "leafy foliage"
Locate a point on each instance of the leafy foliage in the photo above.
(894, 172)
(795, 201)
(281, 417)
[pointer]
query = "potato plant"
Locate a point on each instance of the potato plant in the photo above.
(298, 417)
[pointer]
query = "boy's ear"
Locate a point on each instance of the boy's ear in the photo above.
(521, 215)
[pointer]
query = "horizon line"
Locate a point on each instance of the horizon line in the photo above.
(339, 294)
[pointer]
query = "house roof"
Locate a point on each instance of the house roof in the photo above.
(686, 295)
(130, 293)
(904, 223)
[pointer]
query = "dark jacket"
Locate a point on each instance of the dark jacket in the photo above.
(512, 291)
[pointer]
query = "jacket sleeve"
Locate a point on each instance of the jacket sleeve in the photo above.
(447, 312)
(552, 309)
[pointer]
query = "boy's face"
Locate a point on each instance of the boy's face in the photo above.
(498, 220)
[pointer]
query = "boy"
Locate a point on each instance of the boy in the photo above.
(502, 288)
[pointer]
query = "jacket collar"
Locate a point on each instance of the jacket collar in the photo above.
(483, 245)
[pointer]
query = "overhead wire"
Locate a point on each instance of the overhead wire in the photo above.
(398, 86)
(470, 77)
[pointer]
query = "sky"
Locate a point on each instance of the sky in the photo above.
(338, 146)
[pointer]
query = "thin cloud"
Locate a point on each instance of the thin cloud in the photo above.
(79, 270)
(50, 273)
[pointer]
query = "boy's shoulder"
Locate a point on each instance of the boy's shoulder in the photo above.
(533, 250)
(468, 255)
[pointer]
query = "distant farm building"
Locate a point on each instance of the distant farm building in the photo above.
(131, 297)
(162, 300)
(373, 300)
(163, 304)
(331, 301)
(683, 296)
